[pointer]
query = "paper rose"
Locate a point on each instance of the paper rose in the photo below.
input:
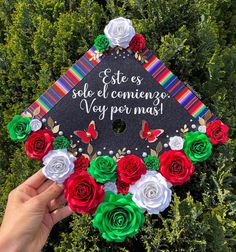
(119, 31)
(151, 162)
(110, 187)
(217, 132)
(58, 165)
(39, 143)
(151, 193)
(130, 169)
(81, 163)
(176, 143)
(137, 43)
(101, 43)
(118, 217)
(122, 187)
(61, 142)
(197, 146)
(176, 167)
(103, 169)
(19, 128)
(82, 192)
(35, 124)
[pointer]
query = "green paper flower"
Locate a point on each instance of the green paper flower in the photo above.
(103, 169)
(19, 128)
(197, 146)
(118, 217)
(152, 162)
(101, 43)
(61, 142)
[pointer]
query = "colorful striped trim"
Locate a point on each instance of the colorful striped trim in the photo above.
(176, 88)
(154, 66)
(64, 84)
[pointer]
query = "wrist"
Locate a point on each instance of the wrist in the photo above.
(8, 244)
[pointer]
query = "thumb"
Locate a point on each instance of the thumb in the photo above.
(51, 193)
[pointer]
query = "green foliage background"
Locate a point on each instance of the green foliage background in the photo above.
(40, 39)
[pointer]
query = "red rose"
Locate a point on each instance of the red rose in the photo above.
(122, 187)
(137, 43)
(81, 163)
(176, 167)
(130, 169)
(217, 132)
(82, 192)
(39, 143)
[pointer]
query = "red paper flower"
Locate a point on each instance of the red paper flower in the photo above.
(122, 187)
(81, 163)
(137, 43)
(82, 192)
(39, 143)
(176, 167)
(130, 169)
(217, 132)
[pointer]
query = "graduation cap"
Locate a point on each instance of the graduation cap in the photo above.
(117, 116)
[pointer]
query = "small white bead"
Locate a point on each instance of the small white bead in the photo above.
(193, 126)
(115, 57)
(165, 145)
(99, 153)
(144, 154)
(111, 53)
(148, 146)
(80, 149)
(119, 54)
(78, 141)
(136, 148)
(104, 148)
(76, 153)
(60, 133)
(111, 152)
(44, 120)
(123, 57)
(124, 52)
(191, 120)
(55, 122)
(167, 136)
(177, 131)
(71, 136)
(128, 152)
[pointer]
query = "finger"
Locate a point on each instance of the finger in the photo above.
(56, 203)
(45, 186)
(49, 194)
(61, 214)
(35, 180)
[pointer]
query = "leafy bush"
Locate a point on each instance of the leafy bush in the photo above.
(40, 39)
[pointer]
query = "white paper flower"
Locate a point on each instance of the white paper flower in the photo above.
(176, 143)
(58, 165)
(119, 31)
(202, 128)
(151, 193)
(110, 187)
(35, 124)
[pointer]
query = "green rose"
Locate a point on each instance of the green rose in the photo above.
(197, 146)
(61, 142)
(101, 43)
(19, 128)
(152, 162)
(103, 169)
(118, 217)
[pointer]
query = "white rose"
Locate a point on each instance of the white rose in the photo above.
(202, 128)
(58, 165)
(119, 31)
(110, 187)
(176, 143)
(151, 193)
(35, 124)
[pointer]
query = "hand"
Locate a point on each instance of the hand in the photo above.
(32, 210)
